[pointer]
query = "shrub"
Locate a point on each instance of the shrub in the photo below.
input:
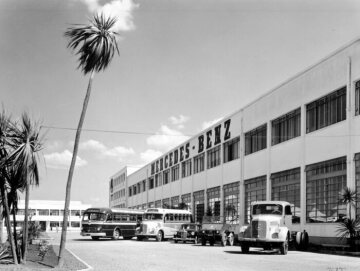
(5, 255)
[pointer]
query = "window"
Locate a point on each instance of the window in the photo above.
(158, 204)
(54, 212)
(357, 98)
(43, 212)
(186, 168)
(231, 149)
(144, 185)
(186, 198)
(174, 202)
(166, 203)
(286, 127)
(231, 202)
(138, 187)
(199, 206)
(285, 186)
(134, 190)
(213, 157)
(255, 140)
(158, 179)
(324, 181)
(326, 110)
(151, 183)
(357, 182)
(130, 190)
(175, 173)
(213, 198)
(20, 212)
(199, 163)
(166, 176)
(75, 212)
(255, 189)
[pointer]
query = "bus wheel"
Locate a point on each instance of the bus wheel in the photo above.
(116, 234)
(95, 237)
(285, 247)
(159, 236)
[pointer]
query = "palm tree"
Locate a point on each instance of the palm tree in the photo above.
(5, 143)
(348, 197)
(28, 142)
(96, 44)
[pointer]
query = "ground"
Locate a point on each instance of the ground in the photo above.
(151, 255)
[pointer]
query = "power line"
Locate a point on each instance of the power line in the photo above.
(108, 131)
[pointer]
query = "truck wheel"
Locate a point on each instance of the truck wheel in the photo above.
(203, 241)
(223, 239)
(159, 236)
(304, 240)
(245, 249)
(285, 246)
(116, 234)
(298, 243)
(231, 239)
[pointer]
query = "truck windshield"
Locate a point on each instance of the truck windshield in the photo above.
(153, 217)
(267, 209)
(94, 216)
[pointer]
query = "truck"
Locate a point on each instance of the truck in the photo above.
(271, 227)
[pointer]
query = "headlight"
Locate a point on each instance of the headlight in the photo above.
(98, 228)
(152, 230)
(203, 231)
(193, 233)
(217, 231)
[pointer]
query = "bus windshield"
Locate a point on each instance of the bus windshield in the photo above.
(94, 216)
(153, 217)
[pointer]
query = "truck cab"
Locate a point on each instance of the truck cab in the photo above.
(270, 227)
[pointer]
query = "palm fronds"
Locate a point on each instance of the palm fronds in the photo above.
(348, 228)
(95, 43)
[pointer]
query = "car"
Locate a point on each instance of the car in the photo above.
(188, 232)
(214, 230)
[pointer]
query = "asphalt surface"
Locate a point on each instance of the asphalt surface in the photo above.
(151, 255)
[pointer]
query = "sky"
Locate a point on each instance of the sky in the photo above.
(183, 65)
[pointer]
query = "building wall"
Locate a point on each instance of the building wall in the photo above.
(341, 69)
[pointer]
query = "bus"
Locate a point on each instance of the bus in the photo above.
(161, 223)
(110, 223)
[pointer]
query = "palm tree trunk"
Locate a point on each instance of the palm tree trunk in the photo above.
(1, 225)
(15, 236)
(71, 172)
(7, 221)
(26, 223)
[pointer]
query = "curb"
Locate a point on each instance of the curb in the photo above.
(88, 267)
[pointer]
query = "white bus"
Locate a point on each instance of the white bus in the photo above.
(110, 223)
(162, 223)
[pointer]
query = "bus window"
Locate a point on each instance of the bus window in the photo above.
(176, 217)
(153, 216)
(171, 217)
(94, 216)
(132, 217)
(167, 217)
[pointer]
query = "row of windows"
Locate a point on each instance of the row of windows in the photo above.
(50, 212)
(319, 114)
(324, 182)
(190, 166)
(118, 194)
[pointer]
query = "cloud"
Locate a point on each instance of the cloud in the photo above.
(166, 138)
(119, 152)
(53, 145)
(207, 124)
(179, 121)
(121, 9)
(150, 155)
(62, 160)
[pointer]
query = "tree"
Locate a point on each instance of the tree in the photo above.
(349, 228)
(95, 44)
(5, 146)
(28, 143)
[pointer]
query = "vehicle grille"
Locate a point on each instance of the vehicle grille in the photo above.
(259, 229)
(143, 228)
(183, 235)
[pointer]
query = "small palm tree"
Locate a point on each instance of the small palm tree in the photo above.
(28, 143)
(96, 44)
(348, 197)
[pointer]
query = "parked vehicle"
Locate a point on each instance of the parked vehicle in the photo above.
(161, 223)
(214, 230)
(188, 232)
(271, 227)
(110, 223)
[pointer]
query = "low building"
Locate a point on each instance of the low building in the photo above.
(49, 214)
(299, 142)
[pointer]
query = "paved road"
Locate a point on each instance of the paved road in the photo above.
(150, 255)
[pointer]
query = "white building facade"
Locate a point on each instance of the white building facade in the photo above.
(300, 142)
(49, 214)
